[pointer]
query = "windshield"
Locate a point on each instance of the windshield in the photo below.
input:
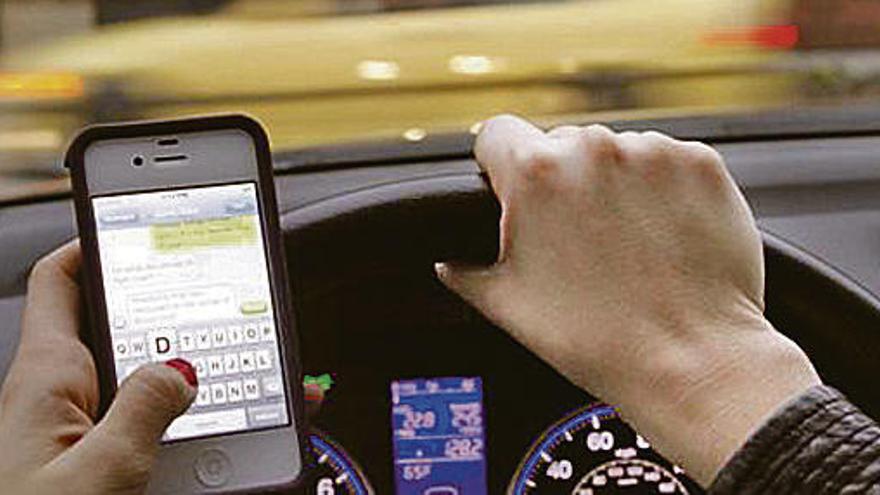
(323, 72)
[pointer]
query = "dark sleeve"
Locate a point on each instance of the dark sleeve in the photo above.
(818, 444)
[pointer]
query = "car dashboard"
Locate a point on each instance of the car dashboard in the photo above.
(454, 404)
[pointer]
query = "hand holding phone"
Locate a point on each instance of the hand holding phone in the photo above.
(183, 258)
(49, 441)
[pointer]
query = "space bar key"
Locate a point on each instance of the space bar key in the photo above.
(208, 423)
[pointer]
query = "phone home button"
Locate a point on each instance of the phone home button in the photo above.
(213, 468)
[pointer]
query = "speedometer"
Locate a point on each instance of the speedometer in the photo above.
(333, 472)
(593, 452)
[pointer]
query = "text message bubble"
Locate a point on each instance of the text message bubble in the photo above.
(154, 270)
(182, 305)
(233, 231)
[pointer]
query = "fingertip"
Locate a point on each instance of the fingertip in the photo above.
(441, 269)
(498, 119)
(483, 141)
(162, 386)
(500, 144)
(185, 369)
(53, 306)
(189, 387)
(507, 123)
(64, 260)
(445, 273)
(468, 281)
(56, 271)
(123, 445)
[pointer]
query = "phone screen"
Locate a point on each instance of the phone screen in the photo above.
(185, 275)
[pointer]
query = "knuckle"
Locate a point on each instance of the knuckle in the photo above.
(658, 137)
(536, 165)
(58, 354)
(706, 160)
(705, 154)
(659, 145)
(47, 369)
(652, 153)
(601, 143)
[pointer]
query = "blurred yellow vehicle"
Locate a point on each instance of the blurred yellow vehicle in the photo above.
(321, 79)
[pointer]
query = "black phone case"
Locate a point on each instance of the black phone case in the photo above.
(96, 333)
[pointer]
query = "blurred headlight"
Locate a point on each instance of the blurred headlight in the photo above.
(40, 85)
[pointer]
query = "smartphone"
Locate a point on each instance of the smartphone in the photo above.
(183, 257)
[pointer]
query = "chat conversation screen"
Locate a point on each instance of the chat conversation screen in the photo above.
(185, 275)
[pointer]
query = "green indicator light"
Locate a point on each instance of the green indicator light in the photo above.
(324, 381)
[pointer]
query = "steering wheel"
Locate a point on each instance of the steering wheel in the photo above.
(452, 214)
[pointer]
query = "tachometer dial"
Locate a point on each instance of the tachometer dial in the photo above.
(333, 472)
(629, 476)
(593, 452)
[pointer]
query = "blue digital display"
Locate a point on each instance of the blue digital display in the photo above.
(439, 440)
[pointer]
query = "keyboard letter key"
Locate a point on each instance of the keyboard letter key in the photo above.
(236, 336)
(267, 332)
(187, 341)
(234, 392)
(264, 359)
(215, 365)
(203, 339)
(218, 337)
(120, 348)
(218, 393)
(204, 396)
(251, 389)
(247, 362)
(162, 344)
(137, 347)
(230, 362)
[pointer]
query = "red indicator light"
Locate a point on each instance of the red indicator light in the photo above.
(782, 36)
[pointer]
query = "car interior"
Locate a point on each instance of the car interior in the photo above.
(364, 224)
(372, 107)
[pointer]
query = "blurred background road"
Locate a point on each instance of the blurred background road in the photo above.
(325, 72)
(27, 22)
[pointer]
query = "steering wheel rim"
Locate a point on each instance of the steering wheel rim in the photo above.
(454, 216)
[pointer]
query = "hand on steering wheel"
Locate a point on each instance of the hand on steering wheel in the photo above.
(632, 264)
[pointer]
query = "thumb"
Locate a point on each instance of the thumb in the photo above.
(121, 449)
(474, 284)
(149, 400)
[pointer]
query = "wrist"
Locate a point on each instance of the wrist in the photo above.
(699, 401)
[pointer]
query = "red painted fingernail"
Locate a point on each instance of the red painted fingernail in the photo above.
(185, 369)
